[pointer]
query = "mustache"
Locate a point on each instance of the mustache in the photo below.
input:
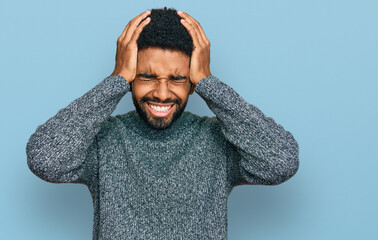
(149, 99)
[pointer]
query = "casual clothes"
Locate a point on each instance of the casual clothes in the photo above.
(161, 184)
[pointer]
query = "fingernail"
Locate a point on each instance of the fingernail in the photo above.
(179, 12)
(182, 20)
(148, 11)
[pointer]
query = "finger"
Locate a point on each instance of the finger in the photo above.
(196, 24)
(139, 29)
(122, 36)
(186, 16)
(192, 32)
(134, 24)
(189, 19)
(200, 29)
(202, 32)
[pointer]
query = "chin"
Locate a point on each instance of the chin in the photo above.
(158, 123)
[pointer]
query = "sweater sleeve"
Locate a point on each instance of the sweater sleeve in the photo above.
(64, 148)
(260, 150)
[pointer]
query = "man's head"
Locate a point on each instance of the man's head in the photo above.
(162, 76)
(165, 31)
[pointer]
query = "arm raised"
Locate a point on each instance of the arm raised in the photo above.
(261, 151)
(64, 149)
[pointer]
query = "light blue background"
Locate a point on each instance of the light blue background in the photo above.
(311, 65)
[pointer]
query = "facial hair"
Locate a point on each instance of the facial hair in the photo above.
(158, 123)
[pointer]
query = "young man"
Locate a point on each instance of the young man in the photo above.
(159, 172)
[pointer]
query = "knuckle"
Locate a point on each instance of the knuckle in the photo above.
(123, 44)
(130, 47)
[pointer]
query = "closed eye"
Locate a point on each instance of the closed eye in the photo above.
(150, 77)
(178, 78)
(146, 76)
(146, 79)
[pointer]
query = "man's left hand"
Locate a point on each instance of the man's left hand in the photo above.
(200, 60)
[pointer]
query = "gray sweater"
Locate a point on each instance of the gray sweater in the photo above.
(161, 184)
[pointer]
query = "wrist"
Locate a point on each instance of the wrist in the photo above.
(197, 79)
(128, 77)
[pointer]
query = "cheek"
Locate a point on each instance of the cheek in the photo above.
(182, 94)
(177, 92)
(140, 91)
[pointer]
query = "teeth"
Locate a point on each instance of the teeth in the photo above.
(160, 109)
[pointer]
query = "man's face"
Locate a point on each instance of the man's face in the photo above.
(160, 90)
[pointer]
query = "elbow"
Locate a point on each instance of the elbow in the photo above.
(273, 173)
(273, 166)
(34, 159)
(35, 168)
(30, 154)
(51, 164)
(38, 161)
(288, 165)
(280, 174)
(288, 172)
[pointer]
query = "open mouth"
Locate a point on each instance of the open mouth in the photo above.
(160, 111)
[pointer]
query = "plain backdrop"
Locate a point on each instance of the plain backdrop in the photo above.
(310, 65)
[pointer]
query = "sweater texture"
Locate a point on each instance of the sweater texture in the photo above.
(161, 184)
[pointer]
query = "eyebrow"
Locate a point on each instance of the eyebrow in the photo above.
(178, 77)
(147, 75)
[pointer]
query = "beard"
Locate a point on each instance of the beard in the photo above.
(158, 123)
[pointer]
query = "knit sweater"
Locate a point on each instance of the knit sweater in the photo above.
(161, 184)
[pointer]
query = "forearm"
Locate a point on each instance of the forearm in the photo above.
(63, 148)
(268, 153)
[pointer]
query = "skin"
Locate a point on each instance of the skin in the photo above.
(161, 77)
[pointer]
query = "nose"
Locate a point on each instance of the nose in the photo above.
(162, 91)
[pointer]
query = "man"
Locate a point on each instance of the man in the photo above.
(159, 172)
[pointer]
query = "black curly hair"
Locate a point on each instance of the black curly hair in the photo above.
(165, 31)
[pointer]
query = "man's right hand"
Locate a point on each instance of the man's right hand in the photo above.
(127, 47)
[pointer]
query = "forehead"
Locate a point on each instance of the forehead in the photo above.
(162, 61)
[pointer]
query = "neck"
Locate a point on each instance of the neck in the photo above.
(176, 128)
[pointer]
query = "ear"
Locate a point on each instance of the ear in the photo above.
(191, 88)
(131, 86)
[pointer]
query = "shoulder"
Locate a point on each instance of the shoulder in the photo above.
(205, 125)
(202, 121)
(113, 124)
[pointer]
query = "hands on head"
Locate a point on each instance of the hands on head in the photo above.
(127, 48)
(200, 60)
